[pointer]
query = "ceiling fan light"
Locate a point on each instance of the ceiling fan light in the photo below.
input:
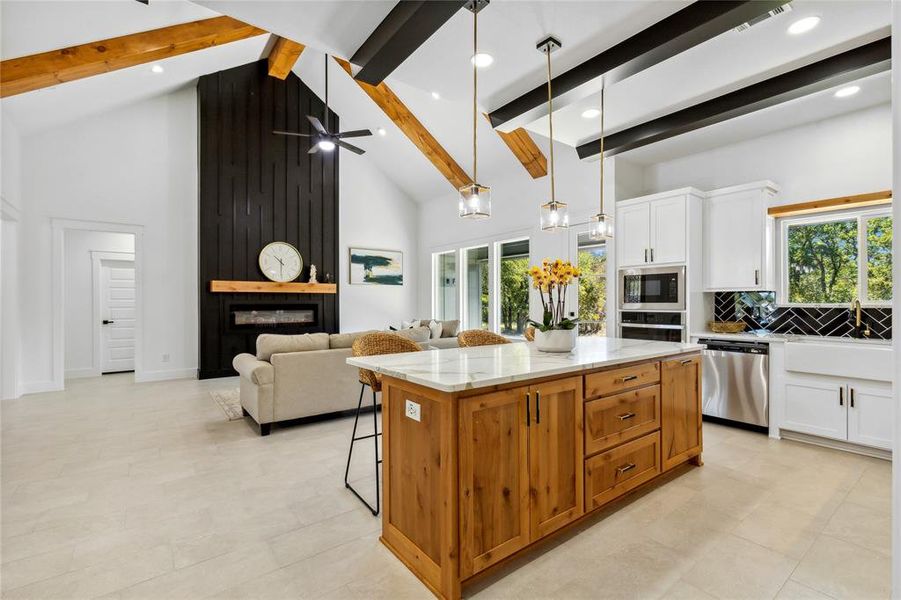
(326, 145)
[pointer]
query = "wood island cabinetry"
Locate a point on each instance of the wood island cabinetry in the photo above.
(476, 476)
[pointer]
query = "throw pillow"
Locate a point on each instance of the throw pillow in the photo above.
(416, 334)
(410, 324)
(450, 328)
(435, 328)
(270, 343)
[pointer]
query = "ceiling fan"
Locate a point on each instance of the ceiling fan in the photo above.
(323, 139)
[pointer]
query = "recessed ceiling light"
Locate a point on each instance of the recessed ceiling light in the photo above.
(436, 95)
(157, 68)
(847, 91)
(803, 25)
(591, 113)
(482, 59)
(381, 131)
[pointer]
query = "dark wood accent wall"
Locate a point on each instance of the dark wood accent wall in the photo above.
(256, 188)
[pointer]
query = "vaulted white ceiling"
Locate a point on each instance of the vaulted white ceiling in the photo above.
(508, 30)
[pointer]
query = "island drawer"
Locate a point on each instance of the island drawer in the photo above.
(613, 473)
(616, 419)
(619, 380)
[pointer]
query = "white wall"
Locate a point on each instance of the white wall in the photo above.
(10, 209)
(848, 154)
(78, 296)
(375, 213)
(136, 166)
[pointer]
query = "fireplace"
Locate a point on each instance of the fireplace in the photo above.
(261, 317)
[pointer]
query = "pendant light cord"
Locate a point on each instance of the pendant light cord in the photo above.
(550, 117)
(603, 110)
(475, 88)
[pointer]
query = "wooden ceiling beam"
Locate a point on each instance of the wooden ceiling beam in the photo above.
(37, 71)
(283, 56)
(525, 150)
(398, 112)
(841, 203)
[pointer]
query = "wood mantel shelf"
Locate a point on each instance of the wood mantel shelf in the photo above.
(272, 287)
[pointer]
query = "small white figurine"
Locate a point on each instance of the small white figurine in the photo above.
(313, 274)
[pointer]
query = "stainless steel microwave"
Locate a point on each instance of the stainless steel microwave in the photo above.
(652, 288)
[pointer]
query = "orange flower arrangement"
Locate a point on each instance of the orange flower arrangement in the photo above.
(552, 279)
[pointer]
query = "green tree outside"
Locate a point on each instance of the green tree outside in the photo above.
(593, 291)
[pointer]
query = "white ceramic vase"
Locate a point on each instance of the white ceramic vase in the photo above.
(556, 340)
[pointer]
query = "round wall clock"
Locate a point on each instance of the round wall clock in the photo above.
(281, 262)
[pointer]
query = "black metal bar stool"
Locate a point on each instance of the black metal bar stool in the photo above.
(373, 344)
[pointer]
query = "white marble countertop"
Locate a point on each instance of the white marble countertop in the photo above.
(458, 369)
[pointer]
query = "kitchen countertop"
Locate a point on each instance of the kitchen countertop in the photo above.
(458, 369)
(784, 337)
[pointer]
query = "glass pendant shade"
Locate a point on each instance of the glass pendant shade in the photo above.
(600, 227)
(554, 216)
(475, 201)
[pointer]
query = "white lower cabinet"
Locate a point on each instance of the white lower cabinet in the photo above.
(843, 409)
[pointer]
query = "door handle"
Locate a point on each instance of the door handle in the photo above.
(624, 468)
(107, 321)
(841, 396)
(625, 416)
(852, 397)
(538, 406)
(528, 409)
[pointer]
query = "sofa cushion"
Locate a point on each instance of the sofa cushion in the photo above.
(269, 343)
(416, 334)
(444, 343)
(258, 371)
(450, 328)
(345, 340)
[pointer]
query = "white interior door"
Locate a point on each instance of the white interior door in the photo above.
(117, 313)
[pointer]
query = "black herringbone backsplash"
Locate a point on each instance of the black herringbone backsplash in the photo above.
(759, 311)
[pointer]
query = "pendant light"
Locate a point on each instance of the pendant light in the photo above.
(600, 226)
(554, 215)
(475, 198)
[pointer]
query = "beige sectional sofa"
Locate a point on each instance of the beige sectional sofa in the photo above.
(296, 376)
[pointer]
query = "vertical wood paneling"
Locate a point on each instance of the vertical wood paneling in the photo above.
(256, 188)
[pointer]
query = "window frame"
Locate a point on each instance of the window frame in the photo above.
(862, 217)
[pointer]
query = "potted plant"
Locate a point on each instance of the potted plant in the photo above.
(556, 332)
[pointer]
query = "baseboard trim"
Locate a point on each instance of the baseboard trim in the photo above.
(146, 376)
(836, 444)
(39, 387)
(81, 373)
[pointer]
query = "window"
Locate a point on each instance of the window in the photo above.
(592, 286)
(475, 291)
(514, 286)
(445, 269)
(838, 258)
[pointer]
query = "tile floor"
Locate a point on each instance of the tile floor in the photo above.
(118, 490)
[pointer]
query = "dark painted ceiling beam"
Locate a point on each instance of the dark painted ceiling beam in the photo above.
(869, 59)
(689, 27)
(407, 26)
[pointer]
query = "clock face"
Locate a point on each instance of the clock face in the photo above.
(280, 261)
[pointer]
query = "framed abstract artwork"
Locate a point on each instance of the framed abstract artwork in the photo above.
(376, 267)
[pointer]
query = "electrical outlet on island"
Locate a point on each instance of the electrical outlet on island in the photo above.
(412, 410)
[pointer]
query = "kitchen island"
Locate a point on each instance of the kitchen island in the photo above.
(489, 450)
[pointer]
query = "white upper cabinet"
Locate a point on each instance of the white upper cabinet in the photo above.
(653, 229)
(738, 244)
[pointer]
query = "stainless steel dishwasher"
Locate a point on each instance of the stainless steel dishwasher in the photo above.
(735, 382)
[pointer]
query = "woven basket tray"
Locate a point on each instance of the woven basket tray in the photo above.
(727, 326)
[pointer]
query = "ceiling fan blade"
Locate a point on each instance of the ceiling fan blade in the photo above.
(317, 124)
(313, 149)
(350, 147)
(294, 133)
(354, 133)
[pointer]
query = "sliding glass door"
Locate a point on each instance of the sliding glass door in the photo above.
(475, 290)
(513, 287)
(445, 280)
(592, 286)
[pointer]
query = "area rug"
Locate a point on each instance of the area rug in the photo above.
(230, 403)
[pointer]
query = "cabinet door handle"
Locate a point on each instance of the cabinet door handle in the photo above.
(628, 378)
(841, 396)
(624, 468)
(538, 406)
(645, 255)
(528, 409)
(852, 397)
(756, 276)
(625, 416)
(652, 255)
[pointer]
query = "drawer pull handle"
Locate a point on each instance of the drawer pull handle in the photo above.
(625, 416)
(630, 378)
(624, 468)
(686, 361)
